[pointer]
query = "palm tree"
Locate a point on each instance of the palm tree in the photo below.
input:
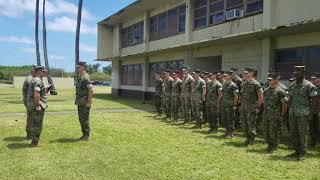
(45, 51)
(77, 53)
(37, 33)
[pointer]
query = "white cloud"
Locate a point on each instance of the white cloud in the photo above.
(67, 24)
(16, 8)
(16, 39)
(87, 48)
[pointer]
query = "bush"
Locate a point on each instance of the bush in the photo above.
(1, 75)
(2, 81)
(100, 76)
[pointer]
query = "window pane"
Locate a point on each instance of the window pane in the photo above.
(254, 6)
(233, 3)
(217, 18)
(290, 55)
(200, 22)
(200, 3)
(163, 25)
(154, 28)
(202, 12)
(313, 59)
(182, 10)
(172, 22)
(216, 6)
(138, 33)
(182, 23)
(130, 75)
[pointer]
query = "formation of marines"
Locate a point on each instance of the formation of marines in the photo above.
(224, 99)
(36, 102)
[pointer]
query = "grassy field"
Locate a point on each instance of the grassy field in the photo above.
(133, 146)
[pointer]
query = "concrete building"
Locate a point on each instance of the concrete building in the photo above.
(151, 35)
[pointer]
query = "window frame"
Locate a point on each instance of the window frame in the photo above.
(128, 35)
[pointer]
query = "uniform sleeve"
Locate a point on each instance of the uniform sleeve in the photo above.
(203, 84)
(235, 89)
(37, 85)
(283, 96)
(312, 90)
(219, 87)
(88, 82)
(259, 89)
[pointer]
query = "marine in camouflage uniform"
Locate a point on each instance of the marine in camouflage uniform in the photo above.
(251, 101)
(230, 99)
(206, 78)
(214, 90)
(315, 122)
(238, 80)
(275, 102)
(37, 104)
(158, 93)
(83, 100)
(198, 96)
(186, 90)
(167, 93)
(302, 94)
(25, 90)
(176, 93)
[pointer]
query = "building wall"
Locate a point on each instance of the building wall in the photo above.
(60, 83)
(298, 40)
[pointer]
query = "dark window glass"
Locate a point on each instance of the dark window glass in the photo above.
(294, 55)
(131, 74)
(313, 59)
(182, 19)
(172, 22)
(234, 3)
(201, 12)
(138, 33)
(132, 35)
(200, 3)
(216, 6)
(154, 28)
(217, 18)
(163, 22)
(200, 23)
(254, 6)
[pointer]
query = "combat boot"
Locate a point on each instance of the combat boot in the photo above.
(251, 142)
(35, 143)
(301, 156)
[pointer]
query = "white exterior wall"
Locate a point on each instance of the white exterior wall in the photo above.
(60, 83)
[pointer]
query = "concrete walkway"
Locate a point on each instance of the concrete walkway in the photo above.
(75, 112)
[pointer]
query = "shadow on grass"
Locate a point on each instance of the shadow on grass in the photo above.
(15, 102)
(17, 146)
(65, 140)
(133, 103)
(235, 144)
(14, 138)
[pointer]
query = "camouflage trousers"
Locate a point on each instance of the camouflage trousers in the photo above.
(212, 115)
(158, 104)
(272, 128)
(84, 113)
(299, 130)
(167, 105)
(175, 106)
(29, 122)
(314, 126)
(248, 119)
(197, 107)
(36, 119)
(186, 106)
(228, 118)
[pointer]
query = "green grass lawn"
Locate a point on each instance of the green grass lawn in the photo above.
(135, 146)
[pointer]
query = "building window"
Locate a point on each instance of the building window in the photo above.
(286, 59)
(213, 12)
(132, 35)
(313, 60)
(154, 28)
(160, 67)
(167, 24)
(132, 74)
(216, 11)
(254, 6)
(200, 13)
(234, 4)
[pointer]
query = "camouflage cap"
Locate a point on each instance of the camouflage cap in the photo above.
(197, 71)
(206, 73)
(186, 68)
(226, 73)
(234, 69)
(40, 68)
(274, 76)
(81, 64)
(300, 68)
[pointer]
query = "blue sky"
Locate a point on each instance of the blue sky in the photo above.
(17, 30)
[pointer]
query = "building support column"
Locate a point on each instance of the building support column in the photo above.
(188, 58)
(145, 78)
(266, 58)
(189, 21)
(146, 30)
(115, 76)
